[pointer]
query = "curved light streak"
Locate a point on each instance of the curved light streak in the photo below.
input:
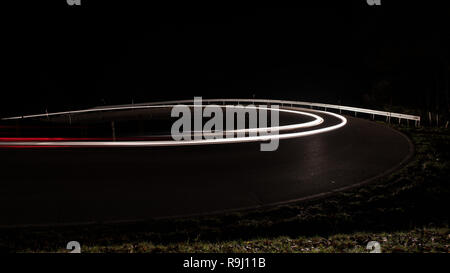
(318, 120)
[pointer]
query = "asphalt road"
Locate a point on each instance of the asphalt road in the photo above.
(64, 185)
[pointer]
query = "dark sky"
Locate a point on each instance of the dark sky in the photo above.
(60, 57)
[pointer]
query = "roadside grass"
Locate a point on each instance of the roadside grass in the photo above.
(406, 211)
(431, 240)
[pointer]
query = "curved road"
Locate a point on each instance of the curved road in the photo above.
(80, 185)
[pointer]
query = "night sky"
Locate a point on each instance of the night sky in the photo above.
(58, 57)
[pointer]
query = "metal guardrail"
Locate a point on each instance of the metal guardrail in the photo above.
(340, 108)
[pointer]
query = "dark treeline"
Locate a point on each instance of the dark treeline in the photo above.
(351, 54)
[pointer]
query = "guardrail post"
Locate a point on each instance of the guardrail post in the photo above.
(113, 127)
(17, 128)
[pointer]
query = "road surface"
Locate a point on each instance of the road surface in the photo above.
(81, 185)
